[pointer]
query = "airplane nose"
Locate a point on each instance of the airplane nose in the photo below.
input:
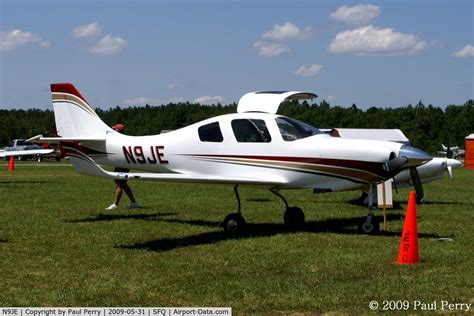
(414, 156)
(408, 156)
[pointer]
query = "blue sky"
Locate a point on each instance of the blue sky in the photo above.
(129, 53)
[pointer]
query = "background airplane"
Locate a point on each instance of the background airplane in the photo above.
(24, 150)
(254, 146)
(451, 152)
(21, 153)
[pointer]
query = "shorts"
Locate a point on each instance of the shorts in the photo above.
(124, 170)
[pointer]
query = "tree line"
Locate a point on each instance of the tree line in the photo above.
(427, 127)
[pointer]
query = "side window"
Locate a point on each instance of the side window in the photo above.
(210, 133)
(292, 129)
(251, 131)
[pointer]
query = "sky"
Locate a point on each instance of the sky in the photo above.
(132, 53)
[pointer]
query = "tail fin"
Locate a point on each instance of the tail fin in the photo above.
(73, 115)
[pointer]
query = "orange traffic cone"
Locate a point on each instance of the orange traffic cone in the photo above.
(408, 252)
(11, 164)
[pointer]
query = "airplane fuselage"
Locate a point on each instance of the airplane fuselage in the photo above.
(318, 161)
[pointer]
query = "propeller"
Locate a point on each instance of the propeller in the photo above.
(450, 171)
(450, 164)
(395, 164)
(415, 179)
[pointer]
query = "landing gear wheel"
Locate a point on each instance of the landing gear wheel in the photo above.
(234, 224)
(370, 229)
(294, 217)
(39, 158)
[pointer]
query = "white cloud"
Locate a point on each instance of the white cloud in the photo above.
(206, 99)
(358, 14)
(466, 52)
(331, 98)
(87, 30)
(308, 71)
(370, 40)
(140, 101)
(287, 31)
(270, 49)
(13, 39)
(108, 45)
(173, 86)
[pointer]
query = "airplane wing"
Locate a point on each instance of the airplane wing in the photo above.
(86, 165)
(31, 152)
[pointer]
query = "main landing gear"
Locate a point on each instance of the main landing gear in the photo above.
(372, 224)
(234, 223)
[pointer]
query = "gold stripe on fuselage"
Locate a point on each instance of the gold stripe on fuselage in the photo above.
(360, 175)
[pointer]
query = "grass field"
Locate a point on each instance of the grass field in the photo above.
(58, 247)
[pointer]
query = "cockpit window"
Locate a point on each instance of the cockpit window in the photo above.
(292, 129)
(210, 133)
(251, 131)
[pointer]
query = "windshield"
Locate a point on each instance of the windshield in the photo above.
(292, 129)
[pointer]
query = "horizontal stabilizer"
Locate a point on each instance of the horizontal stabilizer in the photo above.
(57, 140)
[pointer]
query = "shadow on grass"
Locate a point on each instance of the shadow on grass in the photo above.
(101, 217)
(260, 200)
(337, 225)
(446, 203)
(25, 182)
(360, 202)
(3, 241)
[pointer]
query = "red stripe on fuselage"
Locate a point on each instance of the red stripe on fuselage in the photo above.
(369, 166)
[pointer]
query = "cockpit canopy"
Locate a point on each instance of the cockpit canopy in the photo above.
(257, 130)
(269, 101)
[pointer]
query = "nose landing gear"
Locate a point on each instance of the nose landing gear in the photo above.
(372, 224)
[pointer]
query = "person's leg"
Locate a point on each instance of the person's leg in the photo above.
(118, 194)
(125, 187)
(129, 192)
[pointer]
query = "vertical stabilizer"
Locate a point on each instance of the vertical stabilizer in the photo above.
(73, 115)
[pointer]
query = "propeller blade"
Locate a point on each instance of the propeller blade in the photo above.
(415, 179)
(450, 171)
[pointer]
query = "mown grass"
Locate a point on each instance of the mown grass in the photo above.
(58, 247)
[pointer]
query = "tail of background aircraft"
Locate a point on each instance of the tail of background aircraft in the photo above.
(73, 115)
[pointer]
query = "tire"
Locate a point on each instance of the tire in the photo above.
(294, 217)
(234, 224)
(371, 229)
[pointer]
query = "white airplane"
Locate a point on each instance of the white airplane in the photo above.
(254, 146)
(451, 152)
(28, 152)
(430, 171)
